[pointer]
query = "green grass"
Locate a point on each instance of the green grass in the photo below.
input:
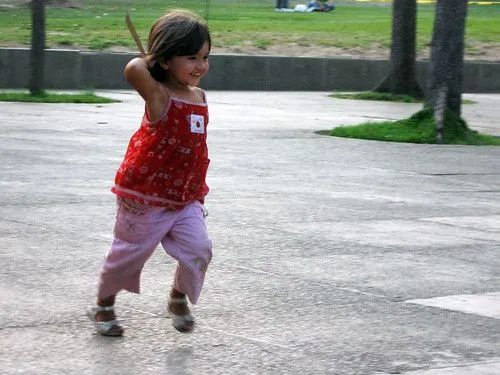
(234, 23)
(378, 96)
(383, 97)
(419, 128)
(47, 97)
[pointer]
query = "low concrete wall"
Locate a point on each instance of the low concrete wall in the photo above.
(67, 69)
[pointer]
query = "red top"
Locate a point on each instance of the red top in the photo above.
(167, 160)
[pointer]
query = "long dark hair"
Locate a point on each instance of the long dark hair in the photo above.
(177, 33)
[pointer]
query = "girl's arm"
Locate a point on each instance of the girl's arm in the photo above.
(138, 76)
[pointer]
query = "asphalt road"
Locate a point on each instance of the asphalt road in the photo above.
(331, 256)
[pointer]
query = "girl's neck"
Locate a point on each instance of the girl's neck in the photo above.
(184, 92)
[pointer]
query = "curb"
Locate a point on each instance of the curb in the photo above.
(69, 69)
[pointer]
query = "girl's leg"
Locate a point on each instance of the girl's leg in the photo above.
(189, 244)
(114, 328)
(138, 230)
(177, 308)
(104, 316)
(182, 320)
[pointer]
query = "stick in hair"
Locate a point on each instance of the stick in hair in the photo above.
(131, 28)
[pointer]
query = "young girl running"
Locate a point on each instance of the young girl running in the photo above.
(160, 185)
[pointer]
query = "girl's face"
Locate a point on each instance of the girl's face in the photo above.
(188, 70)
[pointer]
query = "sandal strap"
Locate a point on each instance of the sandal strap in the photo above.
(182, 300)
(107, 325)
(103, 308)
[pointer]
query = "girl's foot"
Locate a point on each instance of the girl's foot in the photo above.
(178, 308)
(104, 318)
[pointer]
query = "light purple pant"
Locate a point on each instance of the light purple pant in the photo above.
(138, 231)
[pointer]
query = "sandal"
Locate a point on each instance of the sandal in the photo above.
(182, 323)
(105, 328)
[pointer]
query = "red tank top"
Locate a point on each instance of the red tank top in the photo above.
(167, 160)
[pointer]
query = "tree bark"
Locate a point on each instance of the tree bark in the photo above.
(402, 76)
(37, 55)
(447, 54)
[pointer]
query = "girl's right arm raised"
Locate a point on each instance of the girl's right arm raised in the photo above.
(138, 76)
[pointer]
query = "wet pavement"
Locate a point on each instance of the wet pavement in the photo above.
(331, 255)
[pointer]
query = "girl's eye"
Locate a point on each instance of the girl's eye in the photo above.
(192, 58)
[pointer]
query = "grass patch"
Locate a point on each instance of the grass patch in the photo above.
(384, 97)
(379, 96)
(100, 24)
(419, 128)
(87, 98)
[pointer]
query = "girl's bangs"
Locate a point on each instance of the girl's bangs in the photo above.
(192, 42)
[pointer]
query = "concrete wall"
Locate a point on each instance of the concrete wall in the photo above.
(67, 69)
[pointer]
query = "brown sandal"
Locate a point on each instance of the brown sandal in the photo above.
(182, 323)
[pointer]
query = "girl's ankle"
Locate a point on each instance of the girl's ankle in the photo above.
(175, 306)
(105, 302)
(174, 293)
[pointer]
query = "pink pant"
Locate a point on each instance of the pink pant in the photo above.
(139, 229)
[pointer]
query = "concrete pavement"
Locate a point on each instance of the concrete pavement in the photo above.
(331, 256)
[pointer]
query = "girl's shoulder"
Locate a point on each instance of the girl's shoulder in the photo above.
(194, 95)
(201, 94)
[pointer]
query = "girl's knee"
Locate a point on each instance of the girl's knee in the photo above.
(204, 249)
(201, 255)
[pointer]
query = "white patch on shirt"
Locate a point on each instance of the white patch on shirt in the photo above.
(197, 124)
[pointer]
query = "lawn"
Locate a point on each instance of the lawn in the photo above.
(235, 24)
(48, 97)
(419, 128)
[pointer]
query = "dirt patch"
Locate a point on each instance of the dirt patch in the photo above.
(63, 4)
(475, 51)
(481, 52)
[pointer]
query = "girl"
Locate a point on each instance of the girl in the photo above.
(160, 185)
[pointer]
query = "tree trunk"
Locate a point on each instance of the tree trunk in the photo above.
(447, 55)
(402, 76)
(37, 57)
